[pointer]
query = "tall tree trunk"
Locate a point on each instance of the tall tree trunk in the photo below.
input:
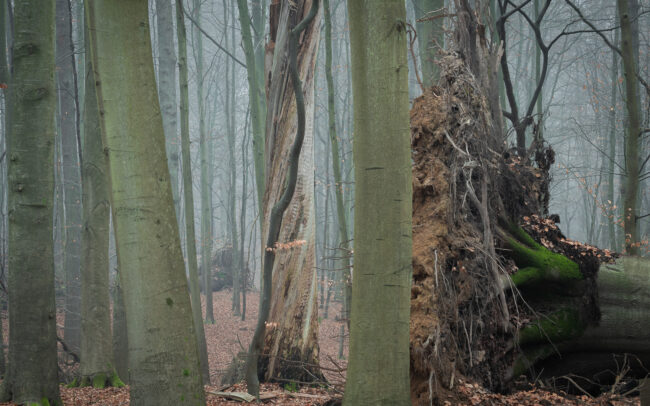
(292, 344)
(66, 78)
(430, 36)
(188, 195)
(232, 165)
(633, 126)
(4, 78)
(378, 370)
(299, 307)
(97, 361)
(206, 189)
(163, 356)
(243, 267)
(613, 243)
(167, 93)
(539, 134)
(32, 375)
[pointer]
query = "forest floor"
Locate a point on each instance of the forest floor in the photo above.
(227, 336)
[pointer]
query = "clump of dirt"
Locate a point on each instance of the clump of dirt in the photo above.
(455, 315)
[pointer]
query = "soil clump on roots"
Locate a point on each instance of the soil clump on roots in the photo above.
(472, 196)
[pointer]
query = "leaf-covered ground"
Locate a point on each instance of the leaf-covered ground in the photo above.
(229, 334)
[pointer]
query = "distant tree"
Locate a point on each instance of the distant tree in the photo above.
(68, 125)
(163, 357)
(254, 54)
(32, 375)
(344, 235)
(205, 152)
(188, 193)
(430, 35)
(378, 369)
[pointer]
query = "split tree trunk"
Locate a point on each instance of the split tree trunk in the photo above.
(292, 339)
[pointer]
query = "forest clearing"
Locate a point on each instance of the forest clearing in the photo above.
(325, 202)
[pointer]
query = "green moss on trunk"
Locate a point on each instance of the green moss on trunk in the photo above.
(562, 325)
(539, 264)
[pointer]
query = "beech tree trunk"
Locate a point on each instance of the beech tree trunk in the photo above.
(292, 337)
(167, 93)
(378, 370)
(32, 375)
(97, 362)
(430, 37)
(163, 357)
(628, 41)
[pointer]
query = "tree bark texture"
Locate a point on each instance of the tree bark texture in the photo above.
(430, 37)
(97, 363)
(120, 337)
(633, 133)
(378, 369)
(68, 126)
(167, 93)
(32, 375)
(292, 339)
(163, 356)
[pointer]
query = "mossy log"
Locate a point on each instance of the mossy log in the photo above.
(571, 344)
(538, 265)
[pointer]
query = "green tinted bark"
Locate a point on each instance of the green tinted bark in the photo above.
(163, 356)
(96, 337)
(32, 375)
(378, 370)
(633, 128)
(430, 36)
(167, 92)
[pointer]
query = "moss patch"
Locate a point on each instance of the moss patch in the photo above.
(537, 263)
(562, 325)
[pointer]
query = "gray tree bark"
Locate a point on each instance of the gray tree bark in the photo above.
(163, 357)
(68, 120)
(32, 375)
(97, 363)
(167, 93)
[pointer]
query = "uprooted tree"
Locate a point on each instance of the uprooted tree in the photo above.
(497, 289)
